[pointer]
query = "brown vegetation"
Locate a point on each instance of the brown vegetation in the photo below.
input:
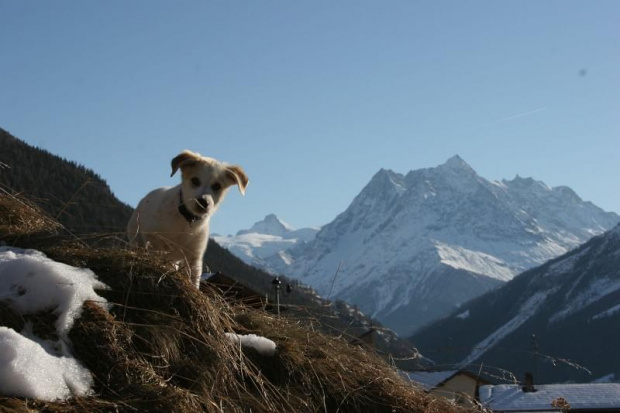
(162, 345)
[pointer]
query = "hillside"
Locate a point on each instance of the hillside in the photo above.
(409, 248)
(161, 345)
(571, 304)
(74, 195)
(84, 204)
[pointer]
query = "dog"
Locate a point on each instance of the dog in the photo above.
(175, 220)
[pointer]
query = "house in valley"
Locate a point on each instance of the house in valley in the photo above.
(461, 386)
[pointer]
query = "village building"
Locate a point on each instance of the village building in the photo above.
(461, 386)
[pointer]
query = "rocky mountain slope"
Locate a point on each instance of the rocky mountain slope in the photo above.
(411, 247)
(571, 304)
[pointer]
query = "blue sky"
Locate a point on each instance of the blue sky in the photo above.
(313, 97)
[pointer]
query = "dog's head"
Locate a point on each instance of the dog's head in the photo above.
(205, 181)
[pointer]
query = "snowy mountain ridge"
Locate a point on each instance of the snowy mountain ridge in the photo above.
(269, 239)
(270, 225)
(411, 247)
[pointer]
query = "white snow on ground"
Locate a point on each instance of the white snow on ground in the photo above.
(33, 283)
(527, 310)
(27, 370)
(32, 367)
(263, 345)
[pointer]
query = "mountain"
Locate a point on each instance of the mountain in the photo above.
(410, 248)
(265, 244)
(571, 304)
(270, 225)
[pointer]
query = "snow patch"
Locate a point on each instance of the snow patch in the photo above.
(565, 265)
(28, 370)
(474, 261)
(595, 291)
(263, 345)
(607, 313)
(464, 315)
(31, 283)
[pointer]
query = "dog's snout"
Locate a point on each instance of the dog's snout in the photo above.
(203, 202)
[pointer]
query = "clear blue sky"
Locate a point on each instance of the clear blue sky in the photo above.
(313, 97)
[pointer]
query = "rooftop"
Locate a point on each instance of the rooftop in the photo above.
(511, 397)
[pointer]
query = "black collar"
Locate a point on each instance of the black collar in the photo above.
(189, 217)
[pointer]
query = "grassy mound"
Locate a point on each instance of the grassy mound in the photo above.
(162, 346)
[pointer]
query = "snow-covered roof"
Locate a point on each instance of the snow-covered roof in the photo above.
(428, 380)
(511, 397)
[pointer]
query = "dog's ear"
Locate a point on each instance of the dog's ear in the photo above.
(236, 174)
(185, 158)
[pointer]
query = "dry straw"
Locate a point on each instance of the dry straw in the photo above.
(162, 347)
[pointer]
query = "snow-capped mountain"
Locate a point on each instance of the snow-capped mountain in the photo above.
(411, 247)
(265, 245)
(270, 225)
(571, 304)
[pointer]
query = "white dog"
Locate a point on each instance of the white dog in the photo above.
(176, 220)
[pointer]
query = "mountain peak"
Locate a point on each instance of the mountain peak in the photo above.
(524, 183)
(384, 183)
(270, 225)
(456, 163)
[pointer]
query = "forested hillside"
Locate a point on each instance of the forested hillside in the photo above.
(70, 193)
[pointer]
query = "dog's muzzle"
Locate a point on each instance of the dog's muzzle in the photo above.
(187, 214)
(203, 203)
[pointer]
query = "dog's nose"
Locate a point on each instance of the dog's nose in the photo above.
(204, 204)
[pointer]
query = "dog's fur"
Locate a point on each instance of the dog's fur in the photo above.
(159, 224)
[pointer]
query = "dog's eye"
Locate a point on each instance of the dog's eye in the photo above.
(216, 187)
(195, 181)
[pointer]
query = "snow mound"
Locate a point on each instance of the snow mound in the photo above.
(263, 345)
(31, 283)
(27, 370)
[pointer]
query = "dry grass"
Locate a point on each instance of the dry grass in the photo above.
(162, 346)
